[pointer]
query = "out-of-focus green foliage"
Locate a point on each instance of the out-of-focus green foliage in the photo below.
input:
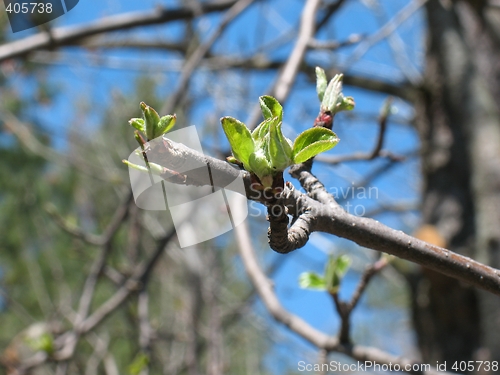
(43, 269)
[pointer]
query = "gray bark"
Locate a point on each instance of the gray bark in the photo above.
(459, 125)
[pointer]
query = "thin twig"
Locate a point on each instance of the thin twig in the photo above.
(98, 240)
(404, 90)
(335, 44)
(368, 274)
(316, 216)
(137, 43)
(377, 149)
(145, 329)
(345, 309)
(283, 84)
(30, 142)
(331, 9)
(196, 58)
(359, 156)
(266, 292)
(133, 284)
(386, 30)
(139, 277)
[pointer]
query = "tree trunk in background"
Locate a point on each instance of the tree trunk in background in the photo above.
(459, 125)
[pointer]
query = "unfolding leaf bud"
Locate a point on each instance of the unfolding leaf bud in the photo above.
(137, 123)
(321, 82)
(151, 120)
(346, 104)
(165, 124)
(259, 165)
(280, 149)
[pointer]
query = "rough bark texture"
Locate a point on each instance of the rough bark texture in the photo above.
(459, 125)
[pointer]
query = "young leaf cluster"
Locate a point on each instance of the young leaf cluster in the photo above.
(335, 270)
(330, 94)
(266, 151)
(151, 124)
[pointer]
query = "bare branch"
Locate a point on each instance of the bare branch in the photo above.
(133, 284)
(345, 309)
(377, 149)
(285, 81)
(368, 274)
(139, 43)
(265, 290)
(98, 240)
(282, 86)
(335, 44)
(331, 9)
(359, 156)
(145, 329)
(315, 216)
(404, 90)
(395, 207)
(386, 30)
(139, 277)
(28, 140)
(73, 35)
(196, 58)
(323, 342)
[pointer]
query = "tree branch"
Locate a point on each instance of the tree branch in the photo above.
(98, 240)
(331, 218)
(404, 90)
(377, 148)
(73, 35)
(196, 58)
(386, 30)
(266, 292)
(282, 86)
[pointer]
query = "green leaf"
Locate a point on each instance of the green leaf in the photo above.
(342, 265)
(311, 280)
(333, 94)
(262, 130)
(346, 104)
(321, 82)
(259, 164)
(280, 150)
(239, 138)
(270, 107)
(165, 124)
(140, 362)
(43, 342)
(137, 123)
(312, 142)
(151, 120)
(335, 270)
